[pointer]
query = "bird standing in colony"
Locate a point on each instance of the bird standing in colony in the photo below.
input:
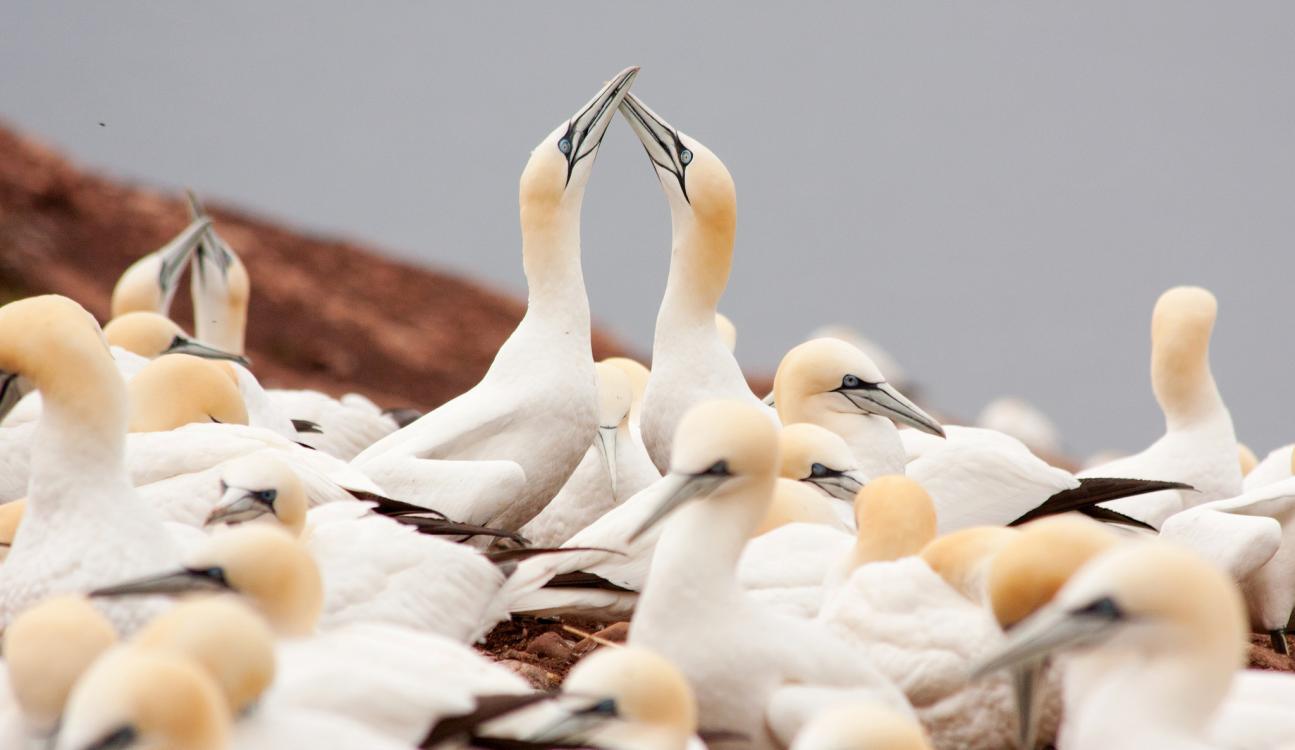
(536, 409)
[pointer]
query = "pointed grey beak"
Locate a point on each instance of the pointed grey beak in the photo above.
(185, 345)
(212, 249)
(842, 485)
(659, 139)
(12, 389)
(606, 442)
(175, 256)
(183, 581)
(1025, 688)
(677, 489)
(883, 400)
(588, 126)
(237, 505)
(1054, 629)
(575, 725)
(768, 400)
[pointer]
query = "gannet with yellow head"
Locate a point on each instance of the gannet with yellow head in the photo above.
(1157, 637)
(179, 389)
(693, 612)
(535, 413)
(691, 361)
(135, 697)
(614, 468)
(398, 682)
(1199, 446)
(46, 650)
(150, 335)
(354, 548)
(235, 647)
(84, 525)
(832, 384)
(149, 284)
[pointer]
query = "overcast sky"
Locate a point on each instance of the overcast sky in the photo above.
(996, 192)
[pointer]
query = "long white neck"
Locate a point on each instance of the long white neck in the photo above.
(551, 259)
(79, 443)
(873, 440)
(700, 259)
(1113, 699)
(699, 548)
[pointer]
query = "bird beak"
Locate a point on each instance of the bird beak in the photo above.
(175, 256)
(843, 486)
(1053, 629)
(590, 123)
(1026, 676)
(12, 388)
(182, 581)
(677, 489)
(577, 723)
(768, 400)
(185, 345)
(657, 136)
(606, 441)
(236, 506)
(883, 400)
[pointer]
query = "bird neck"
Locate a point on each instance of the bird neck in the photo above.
(700, 261)
(700, 546)
(80, 439)
(1184, 385)
(873, 440)
(551, 260)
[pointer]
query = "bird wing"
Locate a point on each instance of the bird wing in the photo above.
(1237, 543)
(467, 491)
(448, 432)
(345, 430)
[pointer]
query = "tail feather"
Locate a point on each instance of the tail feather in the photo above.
(1094, 490)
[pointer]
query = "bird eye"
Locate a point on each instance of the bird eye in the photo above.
(564, 145)
(685, 157)
(818, 470)
(851, 381)
(1104, 608)
(266, 496)
(718, 469)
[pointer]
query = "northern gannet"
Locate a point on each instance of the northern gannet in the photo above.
(221, 288)
(151, 335)
(832, 384)
(179, 389)
(150, 283)
(374, 568)
(46, 649)
(895, 373)
(523, 429)
(863, 726)
(983, 477)
(614, 468)
(754, 672)
(235, 647)
(84, 524)
(398, 681)
(1199, 446)
(1157, 638)
(690, 360)
(135, 697)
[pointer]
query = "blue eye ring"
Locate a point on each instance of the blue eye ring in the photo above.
(685, 157)
(564, 145)
(851, 381)
(818, 470)
(266, 496)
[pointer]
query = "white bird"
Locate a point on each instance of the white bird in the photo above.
(895, 373)
(981, 477)
(394, 680)
(863, 726)
(832, 384)
(690, 360)
(727, 332)
(46, 649)
(1023, 421)
(374, 568)
(220, 288)
(1199, 446)
(614, 468)
(523, 429)
(1274, 467)
(1252, 538)
(84, 523)
(754, 672)
(638, 375)
(150, 283)
(1158, 638)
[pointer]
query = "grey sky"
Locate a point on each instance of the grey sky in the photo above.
(996, 192)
